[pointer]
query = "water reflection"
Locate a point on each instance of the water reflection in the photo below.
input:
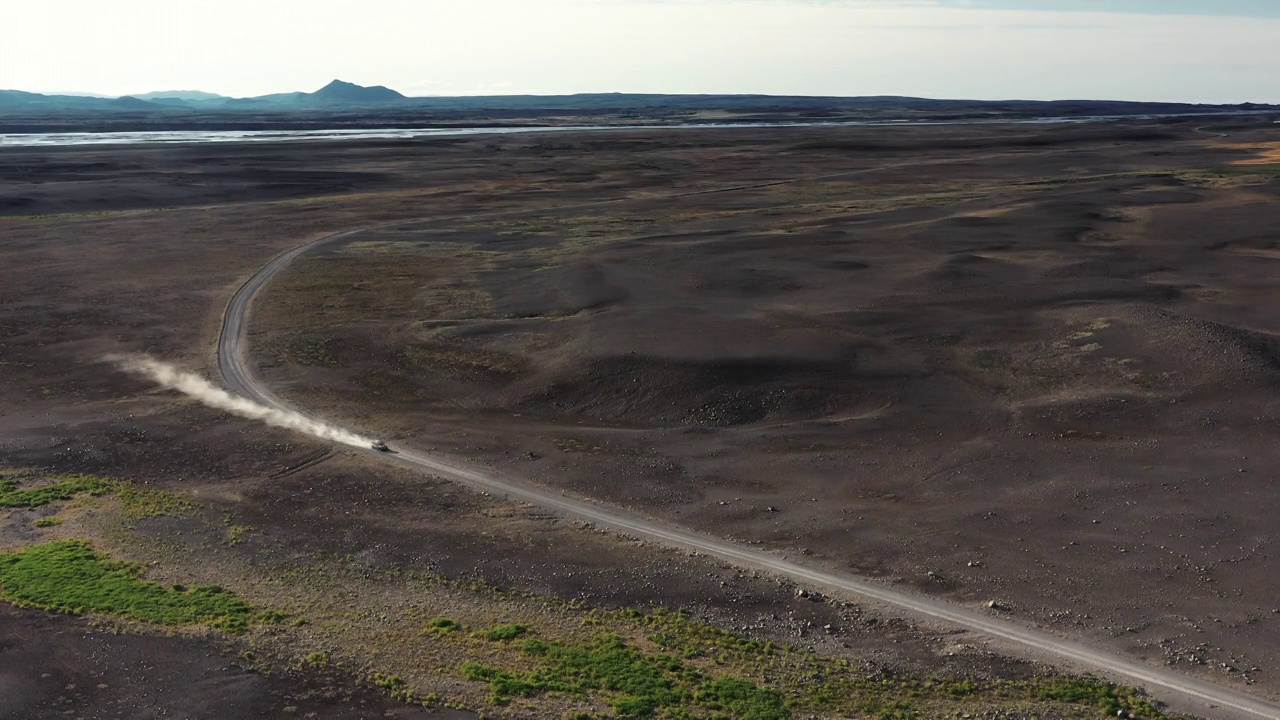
(204, 136)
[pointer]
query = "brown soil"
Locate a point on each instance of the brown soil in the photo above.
(917, 369)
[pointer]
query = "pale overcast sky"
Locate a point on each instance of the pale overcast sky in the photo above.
(1185, 50)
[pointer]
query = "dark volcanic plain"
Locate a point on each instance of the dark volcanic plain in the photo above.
(1030, 364)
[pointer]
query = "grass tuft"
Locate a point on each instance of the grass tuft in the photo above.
(443, 626)
(504, 632)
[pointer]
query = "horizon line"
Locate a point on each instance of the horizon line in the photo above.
(136, 95)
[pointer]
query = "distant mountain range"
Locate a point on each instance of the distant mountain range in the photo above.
(344, 96)
(336, 94)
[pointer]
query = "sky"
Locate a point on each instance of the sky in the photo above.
(1213, 51)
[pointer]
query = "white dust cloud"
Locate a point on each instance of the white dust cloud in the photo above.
(206, 392)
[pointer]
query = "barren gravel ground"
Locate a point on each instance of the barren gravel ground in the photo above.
(1040, 373)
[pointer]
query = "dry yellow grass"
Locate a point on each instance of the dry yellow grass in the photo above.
(1268, 153)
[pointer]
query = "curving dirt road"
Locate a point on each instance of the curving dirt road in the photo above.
(1186, 693)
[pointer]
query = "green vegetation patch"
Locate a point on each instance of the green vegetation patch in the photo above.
(69, 576)
(741, 699)
(139, 502)
(443, 626)
(14, 496)
(664, 664)
(636, 684)
(143, 502)
(805, 683)
(504, 632)
(1109, 698)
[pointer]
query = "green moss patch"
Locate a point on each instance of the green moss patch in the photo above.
(69, 576)
(741, 699)
(635, 683)
(443, 626)
(669, 666)
(504, 632)
(139, 502)
(143, 502)
(14, 496)
(1110, 699)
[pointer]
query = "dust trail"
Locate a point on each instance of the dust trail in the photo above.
(206, 392)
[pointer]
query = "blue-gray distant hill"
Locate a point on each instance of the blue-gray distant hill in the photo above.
(188, 95)
(192, 98)
(17, 100)
(344, 93)
(337, 94)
